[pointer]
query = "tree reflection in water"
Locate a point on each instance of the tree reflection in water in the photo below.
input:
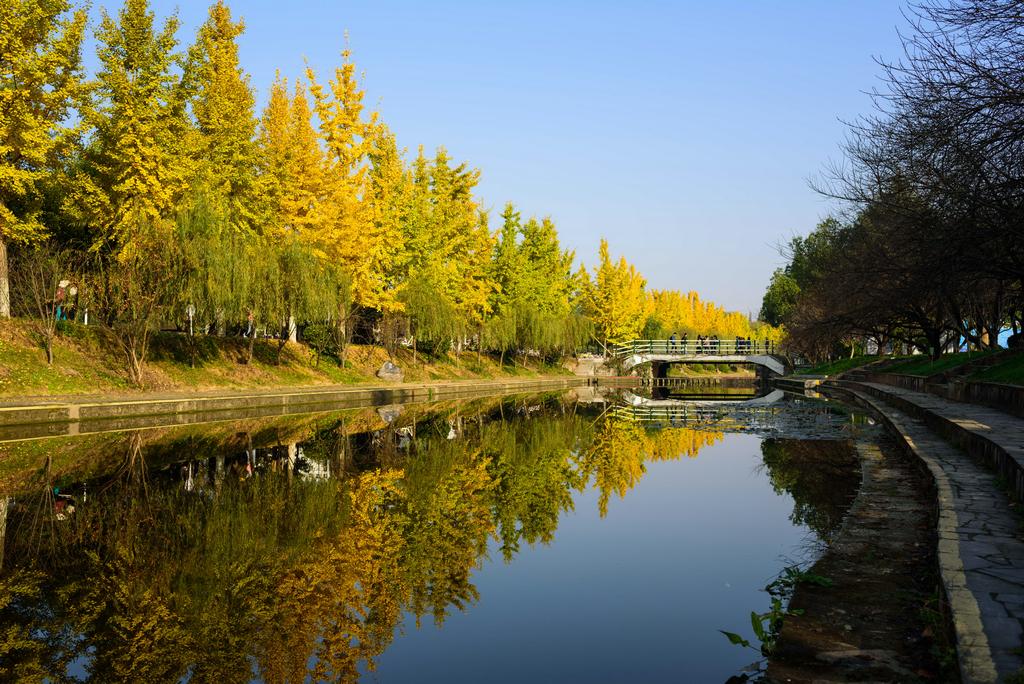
(822, 477)
(293, 551)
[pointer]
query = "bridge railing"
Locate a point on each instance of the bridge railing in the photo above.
(695, 347)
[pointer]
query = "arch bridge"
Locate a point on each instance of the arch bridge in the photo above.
(661, 353)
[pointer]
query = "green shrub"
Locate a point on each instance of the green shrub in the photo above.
(320, 338)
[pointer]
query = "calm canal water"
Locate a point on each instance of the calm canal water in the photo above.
(558, 538)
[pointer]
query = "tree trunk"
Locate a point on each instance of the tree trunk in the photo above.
(252, 345)
(341, 339)
(280, 348)
(134, 366)
(934, 338)
(4, 503)
(5, 283)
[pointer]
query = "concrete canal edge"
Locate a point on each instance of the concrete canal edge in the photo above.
(62, 417)
(974, 653)
(798, 384)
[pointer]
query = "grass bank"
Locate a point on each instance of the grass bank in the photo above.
(840, 365)
(1010, 372)
(88, 361)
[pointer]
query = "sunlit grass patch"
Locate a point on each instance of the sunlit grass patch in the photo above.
(840, 365)
(925, 366)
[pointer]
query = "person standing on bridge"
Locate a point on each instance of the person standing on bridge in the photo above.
(672, 344)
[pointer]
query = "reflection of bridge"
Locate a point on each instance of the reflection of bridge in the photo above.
(661, 353)
(767, 416)
(671, 404)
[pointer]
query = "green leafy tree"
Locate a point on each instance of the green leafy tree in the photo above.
(780, 298)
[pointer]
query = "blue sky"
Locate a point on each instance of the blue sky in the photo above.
(684, 132)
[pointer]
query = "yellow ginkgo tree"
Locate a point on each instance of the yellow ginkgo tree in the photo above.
(138, 161)
(291, 164)
(615, 299)
(40, 82)
(222, 104)
(343, 229)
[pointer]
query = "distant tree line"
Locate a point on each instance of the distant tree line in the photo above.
(151, 195)
(928, 252)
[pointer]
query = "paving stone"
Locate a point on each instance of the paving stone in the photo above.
(1004, 633)
(987, 548)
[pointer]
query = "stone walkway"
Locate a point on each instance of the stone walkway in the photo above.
(995, 424)
(980, 540)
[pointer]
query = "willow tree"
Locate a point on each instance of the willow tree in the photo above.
(508, 304)
(214, 268)
(548, 288)
(305, 288)
(534, 288)
(449, 247)
(40, 83)
(135, 292)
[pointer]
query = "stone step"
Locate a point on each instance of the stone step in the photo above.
(980, 541)
(989, 435)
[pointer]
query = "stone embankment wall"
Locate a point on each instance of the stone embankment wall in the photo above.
(1008, 398)
(590, 366)
(72, 417)
(977, 444)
